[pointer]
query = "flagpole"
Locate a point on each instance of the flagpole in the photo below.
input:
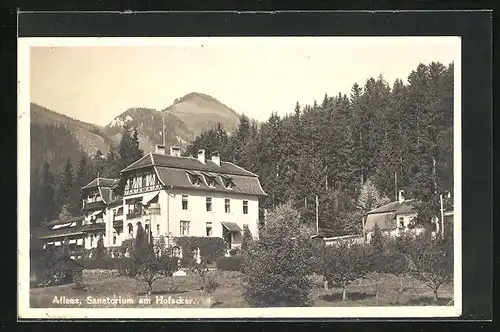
(163, 129)
(396, 185)
(317, 217)
(442, 216)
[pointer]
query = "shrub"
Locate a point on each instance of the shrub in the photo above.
(211, 248)
(431, 261)
(234, 251)
(105, 263)
(232, 263)
(53, 272)
(278, 265)
(128, 245)
(343, 263)
(78, 280)
(187, 262)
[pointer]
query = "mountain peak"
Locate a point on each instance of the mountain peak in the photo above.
(207, 98)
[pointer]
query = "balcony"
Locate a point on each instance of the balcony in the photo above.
(93, 205)
(135, 215)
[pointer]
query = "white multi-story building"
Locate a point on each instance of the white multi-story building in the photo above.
(172, 196)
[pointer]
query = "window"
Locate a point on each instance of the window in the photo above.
(114, 239)
(401, 222)
(184, 228)
(227, 205)
(245, 207)
(209, 229)
(146, 229)
(209, 204)
(184, 202)
(157, 229)
(91, 240)
(245, 226)
(130, 229)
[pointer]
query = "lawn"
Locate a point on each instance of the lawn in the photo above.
(102, 284)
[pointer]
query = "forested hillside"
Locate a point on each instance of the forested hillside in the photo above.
(396, 138)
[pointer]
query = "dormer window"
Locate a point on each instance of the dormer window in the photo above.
(210, 179)
(227, 181)
(194, 178)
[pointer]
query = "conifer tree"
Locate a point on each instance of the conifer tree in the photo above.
(47, 194)
(69, 195)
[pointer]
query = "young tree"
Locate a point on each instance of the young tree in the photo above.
(278, 265)
(432, 261)
(343, 263)
(377, 241)
(65, 247)
(145, 264)
(99, 252)
(370, 198)
(65, 213)
(247, 239)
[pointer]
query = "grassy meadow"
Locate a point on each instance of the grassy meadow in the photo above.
(102, 284)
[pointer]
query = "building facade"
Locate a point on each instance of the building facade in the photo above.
(396, 217)
(171, 196)
(392, 218)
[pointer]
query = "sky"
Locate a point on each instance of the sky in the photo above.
(97, 80)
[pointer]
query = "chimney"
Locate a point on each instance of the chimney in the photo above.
(175, 151)
(201, 155)
(216, 157)
(159, 149)
(401, 197)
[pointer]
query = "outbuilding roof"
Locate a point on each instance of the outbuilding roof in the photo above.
(385, 216)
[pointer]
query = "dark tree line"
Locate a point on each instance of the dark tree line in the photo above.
(56, 192)
(396, 138)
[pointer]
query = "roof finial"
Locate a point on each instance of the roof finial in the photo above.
(97, 178)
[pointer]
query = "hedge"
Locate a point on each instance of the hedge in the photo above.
(232, 263)
(211, 248)
(105, 263)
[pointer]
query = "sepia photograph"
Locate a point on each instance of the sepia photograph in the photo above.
(199, 177)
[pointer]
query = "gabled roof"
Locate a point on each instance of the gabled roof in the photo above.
(102, 182)
(385, 216)
(385, 221)
(187, 163)
(406, 206)
(177, 178)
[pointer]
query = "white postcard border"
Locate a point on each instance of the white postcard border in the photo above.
(24, 310)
